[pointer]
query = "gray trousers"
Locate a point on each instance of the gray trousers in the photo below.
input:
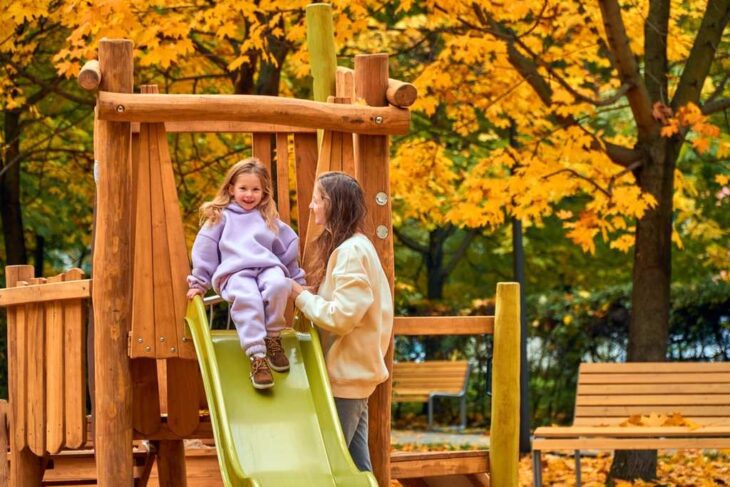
(353, 415)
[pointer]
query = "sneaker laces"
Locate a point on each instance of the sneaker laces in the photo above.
(258, 364)
(273, 345)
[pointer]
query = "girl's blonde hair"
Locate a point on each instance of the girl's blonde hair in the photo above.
(210, 211)
(345, 212)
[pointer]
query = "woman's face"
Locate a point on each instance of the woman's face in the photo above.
(318, 206)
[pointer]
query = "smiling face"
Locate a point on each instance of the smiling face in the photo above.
(247, 191)
(318, 206)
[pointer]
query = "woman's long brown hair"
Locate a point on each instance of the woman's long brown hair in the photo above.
(345, 212)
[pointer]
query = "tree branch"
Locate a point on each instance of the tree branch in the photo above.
(461, 251)
(579, 176)
(628, 70)
(702, 53)
(716, 106)
(409, 242)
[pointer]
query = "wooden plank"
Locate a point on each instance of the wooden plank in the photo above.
(305, 155)
(654, 368)
(686, 411)
(143, 340)
(75, 367)
(282, 178)
(171, 463)
(112, 267)
(709, 421)
(630, 443)
(373, 172)
(183, 397)
(345, 83)
(679, 378)
(18, 357)
(435, 464)
(409, 398)
(4, 441)
(146, 404)
(36, 406)
(597, 389)
(631, 432)
(173, 127)
(166, 328)
(178, 252)
(655, 399)
(361, 119)
(55, 365)
(432, 365)
(262, 149)
(41, 293)
(443, 325)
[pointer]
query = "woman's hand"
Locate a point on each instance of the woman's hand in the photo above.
(297, 289)
(192, 292)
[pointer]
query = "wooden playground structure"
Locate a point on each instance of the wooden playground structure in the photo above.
(146, 383)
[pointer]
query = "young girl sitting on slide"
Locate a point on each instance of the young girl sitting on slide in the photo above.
(353, 306)
(247, 254)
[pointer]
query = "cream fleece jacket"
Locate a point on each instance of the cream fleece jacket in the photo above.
(354, 308)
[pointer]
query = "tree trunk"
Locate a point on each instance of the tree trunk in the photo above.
(435, 262)
(10, 212)
(649, 325)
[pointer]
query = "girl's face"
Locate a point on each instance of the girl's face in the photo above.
(318, 206)
(246, 190)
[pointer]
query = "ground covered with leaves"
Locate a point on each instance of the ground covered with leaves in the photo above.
(687, 468)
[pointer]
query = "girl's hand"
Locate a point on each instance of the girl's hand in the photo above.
(297, 289)
(194, 292)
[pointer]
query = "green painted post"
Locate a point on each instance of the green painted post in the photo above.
(321, 45)
(505, 435)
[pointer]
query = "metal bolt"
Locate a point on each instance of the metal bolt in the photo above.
(162, 339)
(185, 339)
(381, 198)
(147, 348)
(120, 108)
(139, 340)
(378, 119)
(381, 231)
(173, 349)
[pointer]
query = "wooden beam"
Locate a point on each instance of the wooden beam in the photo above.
(443, 325)
(171, 463)
(436, 464)
(90, 75)
(112, 293)
(38, 293)
(363, 119)
(373, 172)
(173, 127)
(399, 93)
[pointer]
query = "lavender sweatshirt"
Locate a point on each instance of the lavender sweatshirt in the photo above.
(241, 240)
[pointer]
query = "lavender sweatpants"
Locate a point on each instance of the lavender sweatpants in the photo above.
(258, 300)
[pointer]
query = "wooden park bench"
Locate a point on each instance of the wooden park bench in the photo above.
(610, 393)
(424, 381)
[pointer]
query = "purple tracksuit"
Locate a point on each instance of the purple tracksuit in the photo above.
(248, 265)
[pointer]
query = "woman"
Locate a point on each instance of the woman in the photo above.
(353, 306)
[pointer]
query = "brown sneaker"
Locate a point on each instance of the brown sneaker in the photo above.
(275, 354)
(261, 376)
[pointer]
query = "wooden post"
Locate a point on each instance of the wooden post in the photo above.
(505, 429)
(171, 463)
(25, 467)
(112, 269)
(321, 45)
(4, 444)
(372, 169)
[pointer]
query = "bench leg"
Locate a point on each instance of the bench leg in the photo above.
(430, 413)
(462, 407)
(537, 467)
(577, 468)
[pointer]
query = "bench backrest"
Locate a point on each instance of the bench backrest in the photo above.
(608, 393)
(414, 378)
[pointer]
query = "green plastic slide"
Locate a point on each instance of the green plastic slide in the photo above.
(285, 436)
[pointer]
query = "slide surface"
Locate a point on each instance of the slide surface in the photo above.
(288, 435)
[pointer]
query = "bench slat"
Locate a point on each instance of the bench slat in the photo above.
(633, 432)
(621, 389)
(654, 368)
(688, 378)
(654, 399)
(626, 411)
(629, 443)
(708, 421)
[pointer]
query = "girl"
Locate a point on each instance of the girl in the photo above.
(247, 254)
(353, 306)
